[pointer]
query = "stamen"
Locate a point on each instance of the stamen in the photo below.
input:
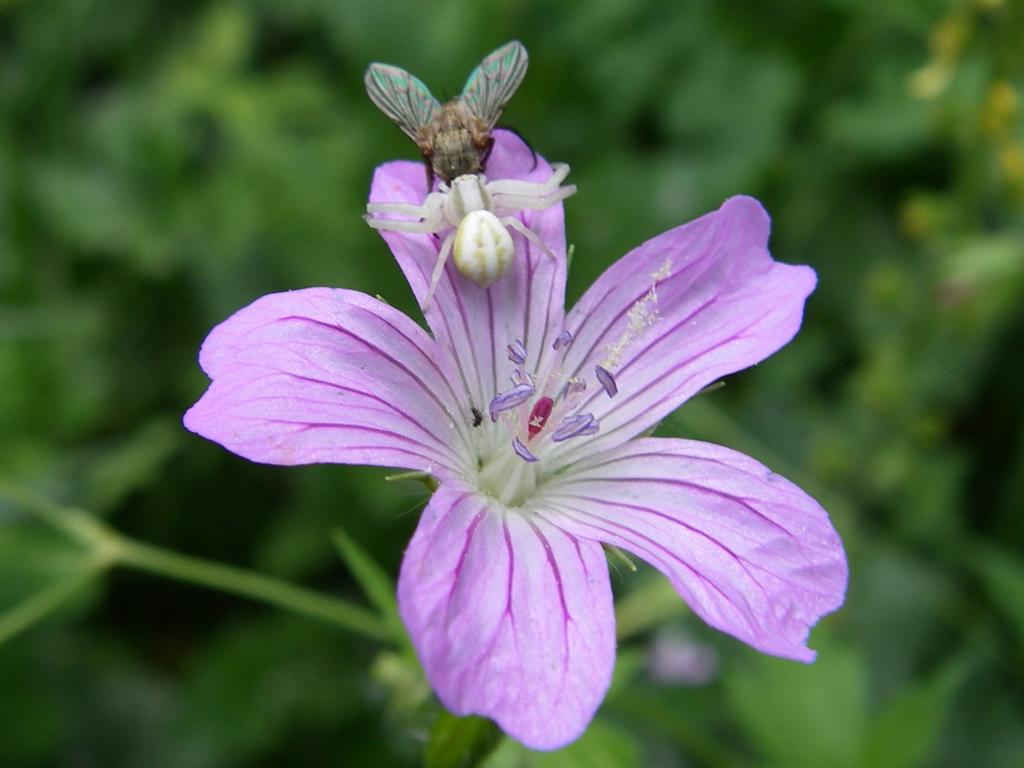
(564, 339)
(522, 452)
(607, 381)
(507, 400)
(576, 426)
(539, 416)
(573, 387)
(521, 377)
(641, 315)
(517, 352)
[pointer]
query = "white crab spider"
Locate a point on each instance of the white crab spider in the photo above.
(480, 212)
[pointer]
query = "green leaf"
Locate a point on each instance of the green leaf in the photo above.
(32, 717)
(254, 681)
(803, 715)
(1003, 577)
(650, 603)
(131, 463)
(374, 580)
(903, 733)
(461, 742)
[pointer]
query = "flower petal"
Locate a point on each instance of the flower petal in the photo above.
(511, 617)
(696, 303)
(750, 552)
(325, 375)
(477, 324)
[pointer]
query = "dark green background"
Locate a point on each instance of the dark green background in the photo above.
(164, 163)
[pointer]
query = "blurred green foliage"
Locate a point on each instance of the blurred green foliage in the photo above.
(164, 163)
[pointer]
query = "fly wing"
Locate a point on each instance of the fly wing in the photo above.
(403, 98)
(491, 85)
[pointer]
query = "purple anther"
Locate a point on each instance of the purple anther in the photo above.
(575, 386)
(563, 340)
(507, 400)
(522, 451)
(607, 381)
(517, 352)
(575, 426)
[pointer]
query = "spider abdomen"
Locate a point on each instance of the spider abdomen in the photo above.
(483, 248)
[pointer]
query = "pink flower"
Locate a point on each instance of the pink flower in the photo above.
(534, 422)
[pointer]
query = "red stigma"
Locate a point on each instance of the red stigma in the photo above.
(539, 416)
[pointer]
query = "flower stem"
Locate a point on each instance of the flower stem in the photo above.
(41, 604)
(111, 549)
(256, 586)
(77, 524)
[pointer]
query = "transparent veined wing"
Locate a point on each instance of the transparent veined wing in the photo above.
(491, 85)
(402, 97)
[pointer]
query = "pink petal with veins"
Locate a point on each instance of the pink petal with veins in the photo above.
(329, 375)
(511, 617)
(687, 307)
(751, 553)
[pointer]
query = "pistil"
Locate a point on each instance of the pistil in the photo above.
(539, 416)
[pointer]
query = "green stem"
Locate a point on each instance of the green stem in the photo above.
(238, 581)
(75, 523)
(112, 549)
(42, 603)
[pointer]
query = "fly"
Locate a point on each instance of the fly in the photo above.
(454, 137)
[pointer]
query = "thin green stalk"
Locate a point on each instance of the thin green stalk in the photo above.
(41, 604)
(75, 523)
(113, 549)
(238, 581)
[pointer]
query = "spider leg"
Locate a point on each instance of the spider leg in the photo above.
(430, 215)
(514, 187)
(405, 209)
(529, 234)
(561, 170)
(511, 202)
(532, 188)
(392, 225)
(435, 278)
(513, 195)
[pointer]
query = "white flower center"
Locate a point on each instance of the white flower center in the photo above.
(525, 423)
(529, 420)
